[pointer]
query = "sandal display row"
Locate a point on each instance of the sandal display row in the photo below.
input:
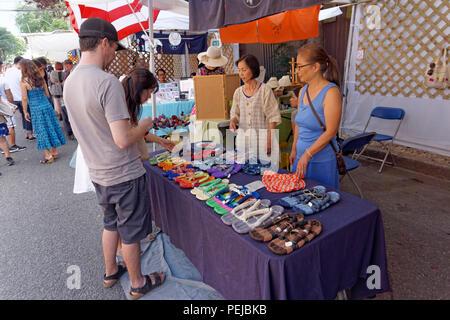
(310, 201)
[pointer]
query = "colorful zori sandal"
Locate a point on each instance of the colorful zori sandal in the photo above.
(296, 238)
(195, 180)
(277, 227)
(224, 201)
(205, 185)
(251, 204)
(251, 219)
(209, 192)
(160, 157)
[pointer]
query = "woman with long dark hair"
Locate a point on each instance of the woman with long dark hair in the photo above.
(312, 155)
(139, 86)
(39, 111)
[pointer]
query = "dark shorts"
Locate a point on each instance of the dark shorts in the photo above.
(126, 209)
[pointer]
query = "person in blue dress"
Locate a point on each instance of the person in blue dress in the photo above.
(312, 155)
(38, 110)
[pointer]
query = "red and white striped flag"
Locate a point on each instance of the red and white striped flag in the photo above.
(127, 16)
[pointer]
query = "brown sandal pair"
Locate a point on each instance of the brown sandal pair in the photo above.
(277, 227)
(296, 238)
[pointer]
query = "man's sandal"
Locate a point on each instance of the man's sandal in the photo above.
(109, 281)
(136, 293)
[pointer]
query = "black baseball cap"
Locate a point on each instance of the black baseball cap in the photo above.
(96, 27)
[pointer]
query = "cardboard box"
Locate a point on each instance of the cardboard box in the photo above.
(212, 95)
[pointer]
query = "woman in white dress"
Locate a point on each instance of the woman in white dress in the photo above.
(255, 110)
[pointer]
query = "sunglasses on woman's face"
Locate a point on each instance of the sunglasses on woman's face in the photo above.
(298, 66)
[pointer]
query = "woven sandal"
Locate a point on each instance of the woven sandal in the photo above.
(277, 227)
(250, 205)
(252, 219)
(296, 238)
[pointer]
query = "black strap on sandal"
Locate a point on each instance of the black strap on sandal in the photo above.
(116, 276)
(148, 284)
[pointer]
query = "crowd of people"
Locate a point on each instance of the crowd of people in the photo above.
(34, 89)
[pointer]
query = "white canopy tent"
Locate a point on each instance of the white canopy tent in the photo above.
(175, 7)
(53, 45)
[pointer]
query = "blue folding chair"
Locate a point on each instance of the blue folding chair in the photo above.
(387, 113)
(354, 144)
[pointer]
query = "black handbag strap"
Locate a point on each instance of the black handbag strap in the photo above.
(318, 119)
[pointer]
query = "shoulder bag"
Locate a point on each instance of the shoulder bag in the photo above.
(339, 158)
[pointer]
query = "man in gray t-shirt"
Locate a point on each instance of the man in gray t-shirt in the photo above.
(97, 110)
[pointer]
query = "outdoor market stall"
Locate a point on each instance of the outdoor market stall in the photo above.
(352, 240)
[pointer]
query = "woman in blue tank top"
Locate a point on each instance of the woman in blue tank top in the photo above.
(312, 155)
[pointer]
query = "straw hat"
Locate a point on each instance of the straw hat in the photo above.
(272, 83)
(284, 81)
(213, 57)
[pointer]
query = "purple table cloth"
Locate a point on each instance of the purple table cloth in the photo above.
(239, 267)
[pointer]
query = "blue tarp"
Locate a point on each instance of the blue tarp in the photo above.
(183, 281)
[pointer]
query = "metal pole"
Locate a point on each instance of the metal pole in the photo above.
(152, 58)
(347, 66)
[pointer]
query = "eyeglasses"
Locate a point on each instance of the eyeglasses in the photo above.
(297, 66)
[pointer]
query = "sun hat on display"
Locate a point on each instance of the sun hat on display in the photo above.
(273, 82)
(284, 81)
(213, 57)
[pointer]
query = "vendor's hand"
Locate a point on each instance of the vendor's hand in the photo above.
(167, 144)
(292, 157)
(233, 123)
(302, 164)
(27, 117)
(147, 123)
(269, 145)
(58, 113)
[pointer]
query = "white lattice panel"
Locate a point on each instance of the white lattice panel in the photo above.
(412, 35)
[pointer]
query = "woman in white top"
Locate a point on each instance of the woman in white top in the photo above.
(254, 108)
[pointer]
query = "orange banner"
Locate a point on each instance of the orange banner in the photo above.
(286, 26)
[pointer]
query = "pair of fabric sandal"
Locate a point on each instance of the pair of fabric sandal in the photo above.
(277, 227)
(224, 170)
(193, 179)
(178, 171)
(296, 238)
(310, 201)
(225, 200)
(251, 214)
(208, 189)
(253, 166)
(160, 157)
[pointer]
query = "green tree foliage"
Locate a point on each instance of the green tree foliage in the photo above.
(47, 17)
(10, 46)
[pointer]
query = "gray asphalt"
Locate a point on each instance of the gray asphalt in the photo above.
(45, 228)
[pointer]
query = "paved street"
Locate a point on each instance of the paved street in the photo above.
(45, 228)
